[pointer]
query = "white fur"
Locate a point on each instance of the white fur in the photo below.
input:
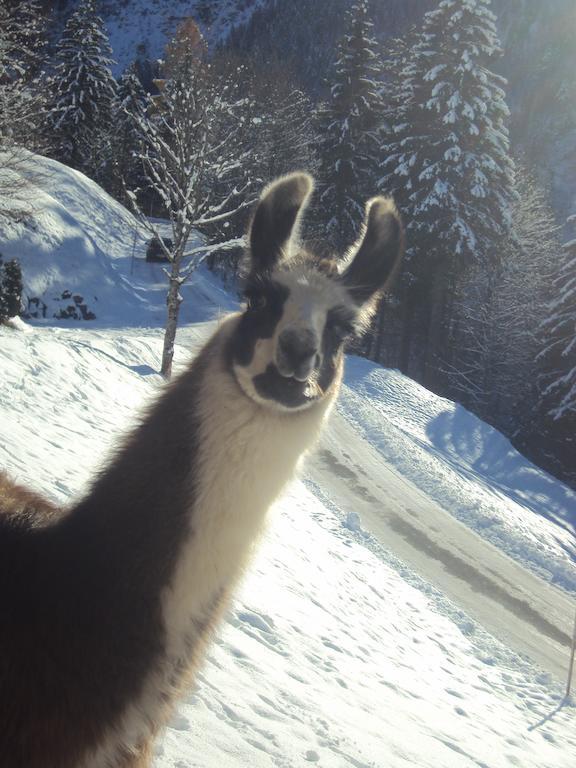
(311, 297)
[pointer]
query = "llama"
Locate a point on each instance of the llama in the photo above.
(106, 608)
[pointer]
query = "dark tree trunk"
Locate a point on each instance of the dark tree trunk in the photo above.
(407, 330)
(173, 301)
(435, 353)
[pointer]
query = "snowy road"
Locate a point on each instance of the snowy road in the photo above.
(529, 615)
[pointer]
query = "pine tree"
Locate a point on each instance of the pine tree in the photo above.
(22, 46)
(6, 94)
(25, 27)
(457, 157)
(559, 328)
(84, 90)
(455, 163)
(349, 124)
(127, 114)
(399, 69)
(10, 289)
(391, 332)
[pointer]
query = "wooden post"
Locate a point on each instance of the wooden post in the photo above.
(571, 667)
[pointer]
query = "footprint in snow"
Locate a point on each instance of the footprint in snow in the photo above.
(180, 723)
(329, 644)
(263, 623)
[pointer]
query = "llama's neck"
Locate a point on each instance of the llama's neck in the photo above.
(143, 563)
(246, 454)
(187, 496)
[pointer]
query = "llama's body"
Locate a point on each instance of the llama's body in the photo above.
(106, 608)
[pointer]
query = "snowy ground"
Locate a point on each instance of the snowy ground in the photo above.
(378, 624)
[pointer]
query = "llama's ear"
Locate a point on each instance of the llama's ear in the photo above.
(276, 219)
(377, 254)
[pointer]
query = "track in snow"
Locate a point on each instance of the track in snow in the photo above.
(529, 615)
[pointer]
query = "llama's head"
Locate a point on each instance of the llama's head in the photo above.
(287, 349)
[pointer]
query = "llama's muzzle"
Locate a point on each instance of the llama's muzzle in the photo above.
(296, 353)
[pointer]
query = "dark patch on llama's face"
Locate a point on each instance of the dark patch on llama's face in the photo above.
(265, 304)
(291, 393)
(339, 328)
(286, 391)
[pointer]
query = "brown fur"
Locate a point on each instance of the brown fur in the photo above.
(23, 506)
(79, 605)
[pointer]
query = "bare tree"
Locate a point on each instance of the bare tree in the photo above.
(193, 153)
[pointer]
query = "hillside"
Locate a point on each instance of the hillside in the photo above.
(98, 252)
(342, 648)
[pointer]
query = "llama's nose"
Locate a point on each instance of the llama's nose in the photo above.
(296, 353)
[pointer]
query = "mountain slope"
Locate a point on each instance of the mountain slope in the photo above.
(141, 28)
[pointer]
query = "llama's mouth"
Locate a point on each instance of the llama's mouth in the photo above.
(289, 391)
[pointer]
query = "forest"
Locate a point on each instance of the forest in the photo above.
(484, 310)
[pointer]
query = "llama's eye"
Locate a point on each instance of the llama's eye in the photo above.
(342, 330)
(257, 302)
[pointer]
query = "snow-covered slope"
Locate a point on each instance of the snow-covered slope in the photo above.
(468, 467)
(337, 651)
(77, 240)
(333, 654)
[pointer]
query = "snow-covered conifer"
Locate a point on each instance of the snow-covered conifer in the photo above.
(349, 123)
(457, 159)
(128, 110)
(455, 164)
(559, 328)
(399, 70)
(84, 90)
(22, 46)
(25, 27)
(10, 289)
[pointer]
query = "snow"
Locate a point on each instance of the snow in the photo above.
(338, 651)
(99, 256)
